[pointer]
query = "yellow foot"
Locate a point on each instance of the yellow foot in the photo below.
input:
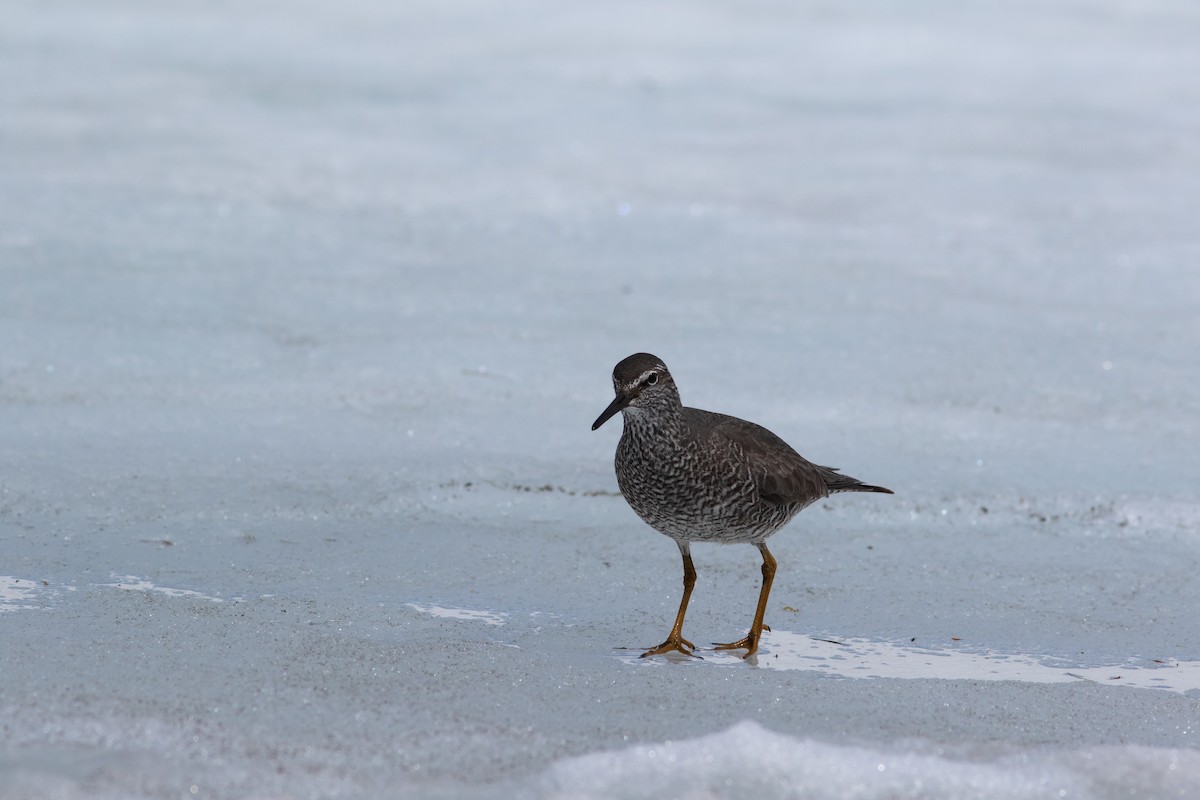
(673, 644)
(749, 642)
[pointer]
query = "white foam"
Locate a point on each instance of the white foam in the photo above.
(15, 593)
(450, 612)
(862, 658)
(748, 760)
(135, 584)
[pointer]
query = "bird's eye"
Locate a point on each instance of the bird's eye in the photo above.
(651, 379)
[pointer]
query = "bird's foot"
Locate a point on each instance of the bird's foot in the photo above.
(673, 644)
(749, 643)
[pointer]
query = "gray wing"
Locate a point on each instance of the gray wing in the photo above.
(781, 474)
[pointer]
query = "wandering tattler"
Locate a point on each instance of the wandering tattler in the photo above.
(697, 476)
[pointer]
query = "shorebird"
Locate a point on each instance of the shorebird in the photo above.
(697, 476)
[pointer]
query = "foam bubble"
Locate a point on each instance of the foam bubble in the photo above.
(16, 593)
(449, 612)
(135, 584)
(864, 659)
(748, 760)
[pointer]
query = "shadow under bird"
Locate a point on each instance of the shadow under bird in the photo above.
(697, 476)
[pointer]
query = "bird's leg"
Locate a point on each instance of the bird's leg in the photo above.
(750, 642)
(675, 641)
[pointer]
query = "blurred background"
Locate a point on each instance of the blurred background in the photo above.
(283, 215)
(300, 302)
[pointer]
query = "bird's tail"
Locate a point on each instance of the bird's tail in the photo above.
(862, 487)
(837, 482)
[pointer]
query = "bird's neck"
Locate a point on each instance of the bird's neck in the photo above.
(656, 426)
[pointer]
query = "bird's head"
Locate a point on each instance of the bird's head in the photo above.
(640, 381)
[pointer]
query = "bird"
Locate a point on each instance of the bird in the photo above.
(699, 476)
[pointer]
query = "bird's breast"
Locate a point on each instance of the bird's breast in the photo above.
(685, 493)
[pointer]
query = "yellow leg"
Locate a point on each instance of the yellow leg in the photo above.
(675, 641)
(750, 642)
